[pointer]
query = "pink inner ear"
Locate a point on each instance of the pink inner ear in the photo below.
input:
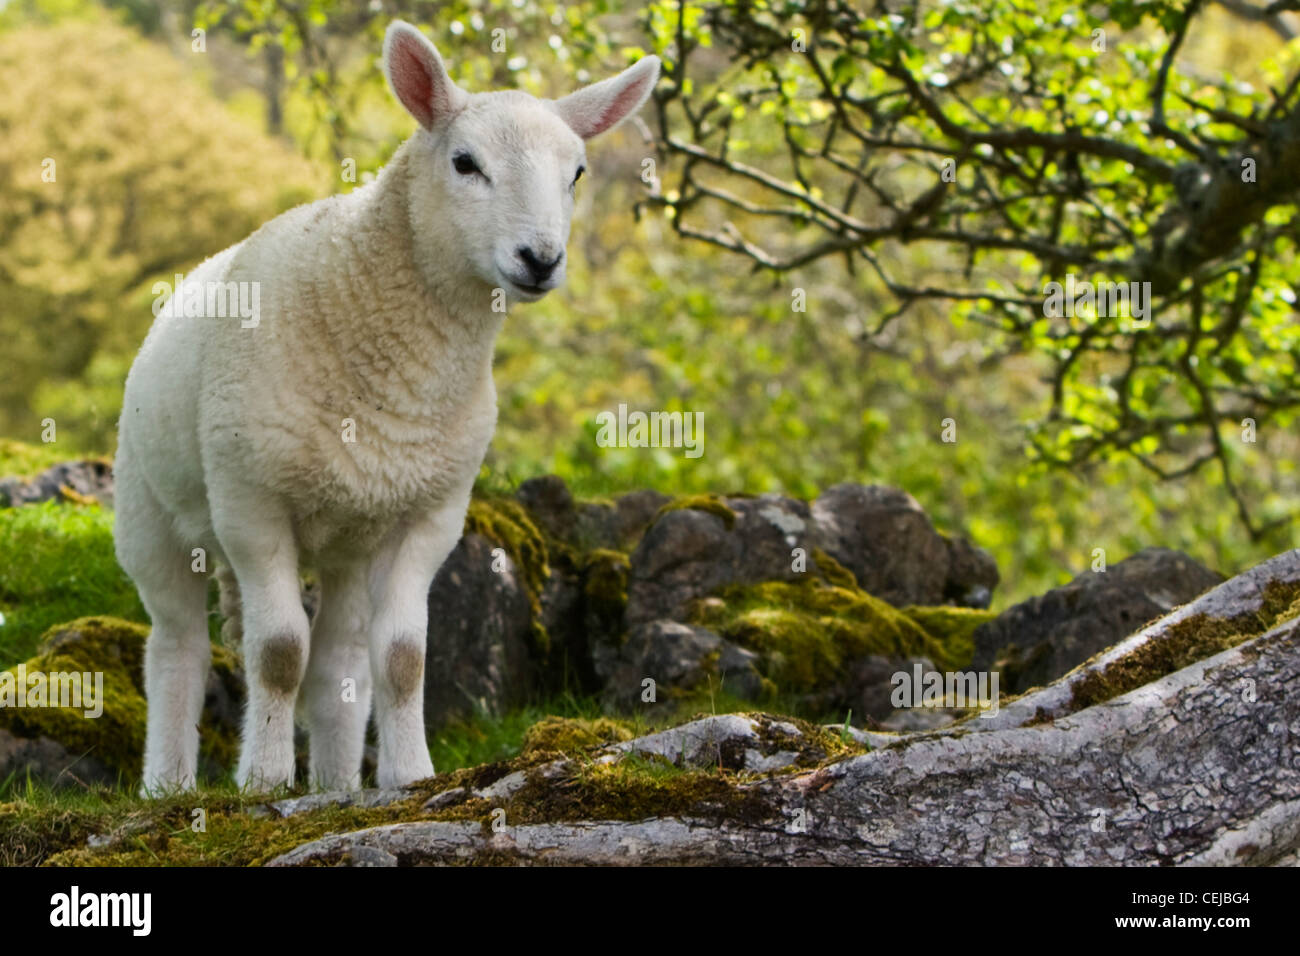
(412, 79)
(619, 107)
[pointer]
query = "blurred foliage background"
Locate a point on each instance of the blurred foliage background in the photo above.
(170, 145)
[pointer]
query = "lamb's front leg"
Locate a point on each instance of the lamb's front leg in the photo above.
(400, 579)
(336, 691)
(257, 538)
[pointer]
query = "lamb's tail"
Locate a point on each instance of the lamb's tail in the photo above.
(230, 607)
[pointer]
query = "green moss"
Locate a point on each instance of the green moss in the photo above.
(635, 788)
(604, 587)
(954, 627)
(712, 504)
(832, 571)
(482, 738)
(507, 523)
(114, 648)
(816, 744)
(1193, 639)
(52, 828)
(573, 734)
(99, 645)
(606, 575)
(807, 631)
(237, 832)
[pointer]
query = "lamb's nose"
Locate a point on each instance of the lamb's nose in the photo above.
(541, 270)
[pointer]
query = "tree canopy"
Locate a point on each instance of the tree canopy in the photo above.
(1028, 141)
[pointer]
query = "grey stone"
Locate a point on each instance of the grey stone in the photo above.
(478, 657)
(677, 657)
(886, 539)
(1042, 638)
(49, 762)
(91, 478)
(367, 856)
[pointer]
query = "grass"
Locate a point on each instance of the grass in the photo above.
(488, 738)
(57, 564)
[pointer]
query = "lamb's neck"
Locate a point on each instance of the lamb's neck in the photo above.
(413, 341)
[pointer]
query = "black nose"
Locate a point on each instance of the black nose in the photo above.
(541, 271)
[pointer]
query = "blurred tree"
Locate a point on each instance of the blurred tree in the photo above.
(330, 47)
(126, 173)
(1038, 140)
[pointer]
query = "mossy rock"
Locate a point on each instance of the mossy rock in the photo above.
(605, 575)
(239, 832)
(832, 571)
(96, 645)
(636, 787)
(711, 504)
(506, 522)
(954, 627)
(572, 734)
(807, 631)
(115, 738)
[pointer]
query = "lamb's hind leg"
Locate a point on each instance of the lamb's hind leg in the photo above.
(257, 538)
(399, 585)
(336, 692)
(177, 653)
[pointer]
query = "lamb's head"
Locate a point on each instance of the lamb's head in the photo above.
(493, 174)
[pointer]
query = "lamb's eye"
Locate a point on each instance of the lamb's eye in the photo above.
(465, 165)
(578, 174)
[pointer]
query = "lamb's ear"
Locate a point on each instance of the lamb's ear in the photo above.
(417, 76)
(594, 109)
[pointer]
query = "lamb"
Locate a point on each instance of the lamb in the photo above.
(341, 427)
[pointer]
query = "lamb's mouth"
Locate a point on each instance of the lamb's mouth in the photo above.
(530, 292)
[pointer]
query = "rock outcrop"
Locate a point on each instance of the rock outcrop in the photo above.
(1042, 638)
(645, 601)
(620, 593)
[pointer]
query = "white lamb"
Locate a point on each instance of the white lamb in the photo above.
(344, 429)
